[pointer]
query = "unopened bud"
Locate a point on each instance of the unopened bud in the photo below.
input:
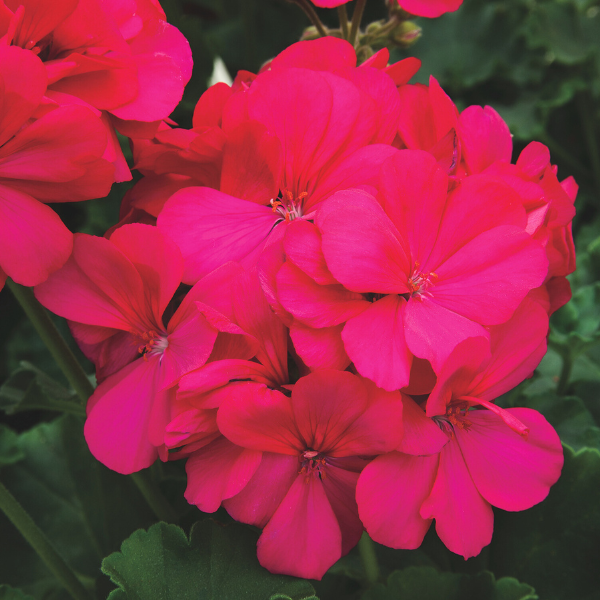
(406, 34)
(310, 33)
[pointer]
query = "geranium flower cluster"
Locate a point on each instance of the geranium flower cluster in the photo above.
(315, 296)
(70, 72)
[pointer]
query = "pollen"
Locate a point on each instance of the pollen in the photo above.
(155, 343)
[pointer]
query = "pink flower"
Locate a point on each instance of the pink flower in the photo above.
(413, 273)
(473, 458)
(314, 445)
(48, 153)
(115, 293)
(297, 135)
(119, 57)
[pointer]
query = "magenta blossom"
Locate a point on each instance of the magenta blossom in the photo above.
(453, 466)
(115, 293)
(314, 445)
(411, 273)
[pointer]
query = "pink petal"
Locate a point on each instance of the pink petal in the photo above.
(463, 519)
(421, 435)
(408, 175)
(116, 429)
(252, 163)
(156, 258)
(429, 8)
(432, 331)
(254, 315)
(259, 499)
(389, 494)
(209, 108)
(361, 245)
(40, 19)
(359, 169)
(328, 423)
(258, 418)
(217, 472)
(463, 220)
(517, 348)
(320, 348)
(402, 71)
(504, 262)
(510, 471)
(22, 86)
(190, 345)
(302, 245)
(324, 54)
(212, 228)
(485, 138)
(381, 326)
(534, 159)
(33, 240)
(97, 286)
(313, 304)
(309, 543)
(59, 147)
(161, 73)
(340, 488)
(314, 115)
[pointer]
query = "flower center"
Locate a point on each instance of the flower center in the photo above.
(287, 206)
(455, 418)
(154, 343)
(312, 463)
(419, 283)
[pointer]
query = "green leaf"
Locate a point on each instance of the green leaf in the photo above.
(9, 593)
(554, 545)
(28, 388)
(558, 27)
(84, 509)
(216, 563)
(426, 583)
(10, 453)
(569, 416)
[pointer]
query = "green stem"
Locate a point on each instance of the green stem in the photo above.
(565, 373)
(81, 384)
(343, 16)
(366, 549)
(154, 497)
(40, 543)
(310, 12)
(54, 341)
(589, 131)
(356, 19)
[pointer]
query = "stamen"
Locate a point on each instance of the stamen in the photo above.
(507, 417)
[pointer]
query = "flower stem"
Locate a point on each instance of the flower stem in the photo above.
(565, 373)
(343, 16)
(53, 340)
(588, 126)
(310, 12)
(40, 543)
(356, 19)
(154, 497)
(366, 548)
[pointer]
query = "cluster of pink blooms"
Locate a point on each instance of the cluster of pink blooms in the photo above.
(71, 71)
(314, 295)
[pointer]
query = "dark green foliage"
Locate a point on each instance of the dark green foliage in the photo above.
(218, 562)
